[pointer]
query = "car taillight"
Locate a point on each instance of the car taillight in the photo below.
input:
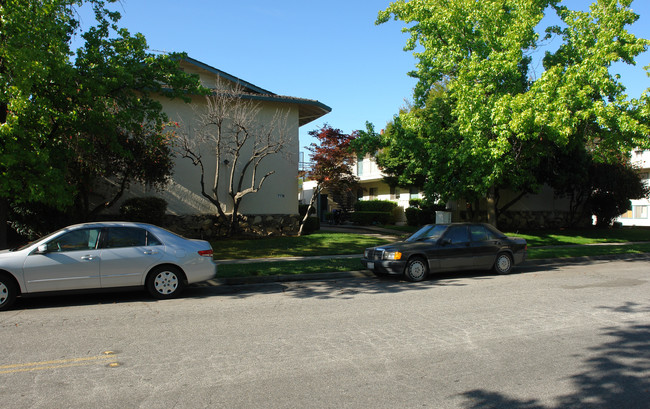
(206, 253)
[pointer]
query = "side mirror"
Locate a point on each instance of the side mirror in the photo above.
(445, 242)
(42, 249)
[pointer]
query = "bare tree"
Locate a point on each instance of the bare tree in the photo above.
(231, 130)
(312, 202)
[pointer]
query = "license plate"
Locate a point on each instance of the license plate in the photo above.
(371, 266)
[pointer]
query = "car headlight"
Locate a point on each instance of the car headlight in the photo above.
(392, 255)
(366, 253)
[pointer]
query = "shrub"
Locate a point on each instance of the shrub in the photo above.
(414, 216)
(312, 224)
(302, 209)
(374, 206)
(421, 212)
(367, 218)
(144, 209)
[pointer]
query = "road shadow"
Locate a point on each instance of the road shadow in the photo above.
(81, 298)
(348, 287)
(616, 374)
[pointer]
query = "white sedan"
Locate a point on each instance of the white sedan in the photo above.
(105, 255)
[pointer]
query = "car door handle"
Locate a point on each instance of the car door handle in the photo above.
(150, 252)
(88, 257)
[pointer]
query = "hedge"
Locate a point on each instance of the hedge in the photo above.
(374, 206)
(367, 218)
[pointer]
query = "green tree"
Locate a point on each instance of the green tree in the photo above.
(66, 126)
(495, 123)
(116, 128)
(613, 185)
(34, 48)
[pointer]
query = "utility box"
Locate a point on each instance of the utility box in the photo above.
(443, 217)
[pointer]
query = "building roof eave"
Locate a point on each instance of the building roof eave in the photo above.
(308, 109)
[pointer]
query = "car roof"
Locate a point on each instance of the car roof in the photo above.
(109, 224)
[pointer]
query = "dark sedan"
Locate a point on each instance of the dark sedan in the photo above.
(447, 247)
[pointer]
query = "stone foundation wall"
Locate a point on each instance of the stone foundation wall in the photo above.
(208, 226)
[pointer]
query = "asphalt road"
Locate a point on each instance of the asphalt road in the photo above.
(546, 337)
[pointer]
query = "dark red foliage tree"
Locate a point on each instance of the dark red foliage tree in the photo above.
(333, 167)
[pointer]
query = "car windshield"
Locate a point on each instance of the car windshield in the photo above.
(34, 241)
(428, 232)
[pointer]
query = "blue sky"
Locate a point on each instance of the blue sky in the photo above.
(330, 51)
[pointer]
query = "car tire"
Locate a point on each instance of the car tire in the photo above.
(8, 292)
(165, 282)
(503, 263)
(416, 269)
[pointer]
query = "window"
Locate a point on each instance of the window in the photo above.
(457, 234)
(637, 212)
(359, 166)
(372, 193)
(627, 215)
(429, 232)
(129, 237)
(640, 212)
(77, 240)
(480, 233)
(414, 193)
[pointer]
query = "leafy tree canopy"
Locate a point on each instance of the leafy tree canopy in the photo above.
(68, 122)
(494, 121)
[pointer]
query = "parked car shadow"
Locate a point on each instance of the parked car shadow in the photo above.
(324, 289)
(348, 287)
(81, 298)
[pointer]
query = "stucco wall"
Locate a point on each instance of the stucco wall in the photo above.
(279, 191)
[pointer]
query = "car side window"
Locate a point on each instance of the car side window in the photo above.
(152, 240)
(480, 233)
(457, 234)
(117, 237)
(77, 240)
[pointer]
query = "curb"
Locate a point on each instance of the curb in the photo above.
(366, 273)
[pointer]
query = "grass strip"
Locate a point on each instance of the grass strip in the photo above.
(288, 268)
(582, 251)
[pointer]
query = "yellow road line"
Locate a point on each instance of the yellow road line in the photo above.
(59, 363)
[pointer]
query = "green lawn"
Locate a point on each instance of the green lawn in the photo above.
(317, 244)
(288, 268)
(587, 236)
(324, 243)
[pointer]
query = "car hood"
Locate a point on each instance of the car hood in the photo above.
(7, 253)
(403, 245)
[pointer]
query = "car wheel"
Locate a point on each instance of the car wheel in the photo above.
(8, 292)
(503, 264)
(416, 269)
(165, 282)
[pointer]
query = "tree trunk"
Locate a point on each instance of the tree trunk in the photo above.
(311, 206)
(492, 207)
(234, 217)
